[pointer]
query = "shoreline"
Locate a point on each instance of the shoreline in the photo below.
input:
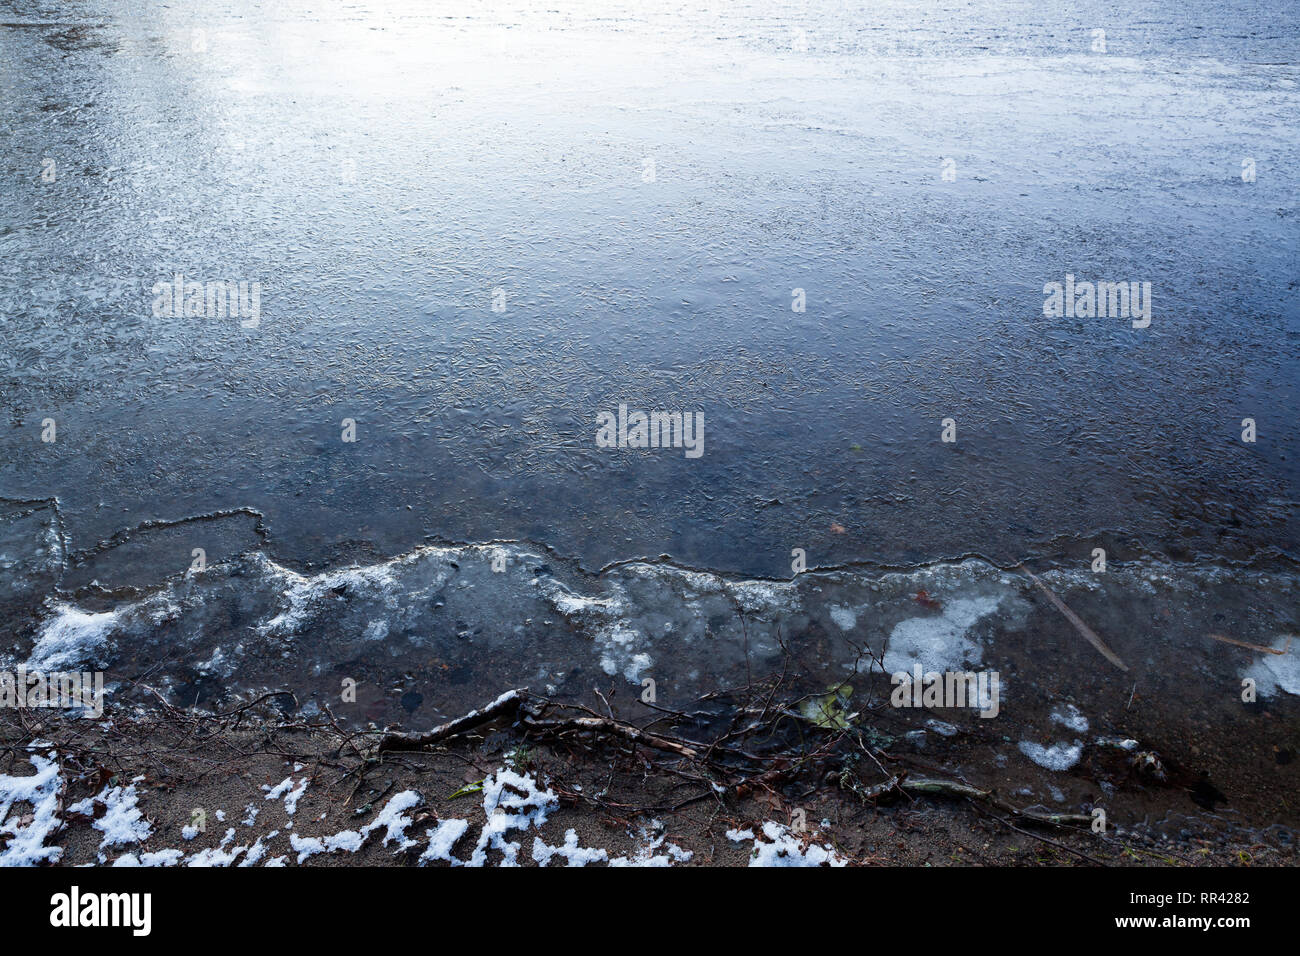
(574, 788)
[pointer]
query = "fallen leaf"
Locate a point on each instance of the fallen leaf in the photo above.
(923, 598)
(831, 710)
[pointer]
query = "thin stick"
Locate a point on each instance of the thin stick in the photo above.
(509, 701)
(1254, 647)
(1073, 618)
(616, 727)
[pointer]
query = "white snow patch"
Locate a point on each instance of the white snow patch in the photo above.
(285, 789)
(756, 597)
(122, 822)
(569, 851)
(653, 837)
(941, 727)
(511, 802)
(254, 854)
(390, 818)
(349, 840)
(216, 665)
(441, 840)
(160, 858)
(217, 855)
(783, 848)
(26, 845)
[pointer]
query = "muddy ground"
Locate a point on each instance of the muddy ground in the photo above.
(641, 801)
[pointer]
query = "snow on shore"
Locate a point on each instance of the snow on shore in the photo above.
(512, 803)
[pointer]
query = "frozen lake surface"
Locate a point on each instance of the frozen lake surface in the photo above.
(381, 175)
(475, 227)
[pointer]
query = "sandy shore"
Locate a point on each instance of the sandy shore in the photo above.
(161, 786)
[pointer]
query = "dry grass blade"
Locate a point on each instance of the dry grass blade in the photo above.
(1254, 647)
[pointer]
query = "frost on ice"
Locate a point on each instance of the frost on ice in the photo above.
(844, 617)
(1067, 715)
(71, 638)
(1280, 671)
(1060, 756)
(938, 643)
